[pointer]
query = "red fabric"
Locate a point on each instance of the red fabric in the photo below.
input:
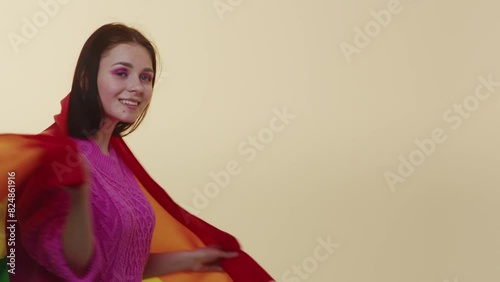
(69, 173)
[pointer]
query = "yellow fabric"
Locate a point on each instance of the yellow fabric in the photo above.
(153, 280)
(3, 211)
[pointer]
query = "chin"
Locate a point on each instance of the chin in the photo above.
(123, 117)
(127, 119)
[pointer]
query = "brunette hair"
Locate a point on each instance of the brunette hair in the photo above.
(85, 111)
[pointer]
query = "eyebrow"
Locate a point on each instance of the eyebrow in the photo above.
(130, 66)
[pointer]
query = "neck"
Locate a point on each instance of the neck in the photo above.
(103, 136)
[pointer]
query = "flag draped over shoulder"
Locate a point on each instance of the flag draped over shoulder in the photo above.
(48, 159)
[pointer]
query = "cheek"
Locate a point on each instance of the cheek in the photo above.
(107, 93)
(147, 98)
(108, 90)
(106, 98)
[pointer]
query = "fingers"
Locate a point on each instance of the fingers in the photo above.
(210, 268)
(217, 251)
(228, 255)
(208, 259)
(219, 254)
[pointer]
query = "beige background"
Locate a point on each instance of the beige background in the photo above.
(323, 174)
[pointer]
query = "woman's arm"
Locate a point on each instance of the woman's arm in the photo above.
(56, 232)
(199, 260)
(78, 239)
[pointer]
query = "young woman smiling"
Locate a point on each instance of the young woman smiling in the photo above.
(87, 210)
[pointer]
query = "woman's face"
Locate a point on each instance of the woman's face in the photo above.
(125, 83)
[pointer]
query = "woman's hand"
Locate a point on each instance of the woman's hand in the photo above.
(198, 260)
(207, 259)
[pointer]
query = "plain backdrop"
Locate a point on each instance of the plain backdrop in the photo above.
(390, 152)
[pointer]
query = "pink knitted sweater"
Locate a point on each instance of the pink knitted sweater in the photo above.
(123, 224)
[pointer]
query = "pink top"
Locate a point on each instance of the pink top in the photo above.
(123, 223)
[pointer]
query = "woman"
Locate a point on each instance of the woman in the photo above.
(86, 210)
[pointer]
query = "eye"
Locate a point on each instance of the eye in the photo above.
(120, 73)
(147, 77)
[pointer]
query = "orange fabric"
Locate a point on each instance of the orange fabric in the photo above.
(179, 237)
(17, 154)
(170, 236)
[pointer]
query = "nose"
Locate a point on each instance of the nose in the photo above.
(135, 85)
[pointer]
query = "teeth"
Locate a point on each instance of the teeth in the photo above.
(128, 102)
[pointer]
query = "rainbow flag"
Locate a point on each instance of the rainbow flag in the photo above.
(175, 228)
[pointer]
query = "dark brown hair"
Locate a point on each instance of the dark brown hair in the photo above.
(85, 111)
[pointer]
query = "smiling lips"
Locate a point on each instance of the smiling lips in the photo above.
(129, 102)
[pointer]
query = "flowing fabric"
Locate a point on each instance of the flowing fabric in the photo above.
(50, 160)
